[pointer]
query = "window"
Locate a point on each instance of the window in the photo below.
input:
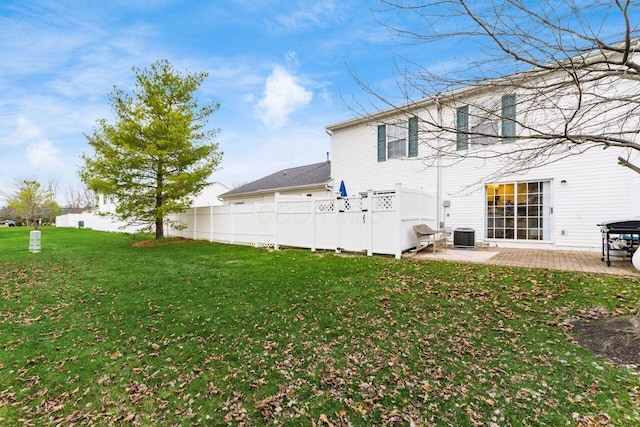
(484, 131)
(518, 211)
(484, 126)
(398, 140)
(462, 128)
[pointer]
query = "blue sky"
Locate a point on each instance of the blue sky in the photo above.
(279, 69)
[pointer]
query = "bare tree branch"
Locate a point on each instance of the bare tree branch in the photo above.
(571, 67)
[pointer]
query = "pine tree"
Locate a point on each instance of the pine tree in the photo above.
(158, 152)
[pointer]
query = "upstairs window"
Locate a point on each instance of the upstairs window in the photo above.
(486, 124)
(398, 140)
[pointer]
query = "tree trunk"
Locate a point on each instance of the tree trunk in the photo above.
(159, 201)
(159, 229)
(635, 320)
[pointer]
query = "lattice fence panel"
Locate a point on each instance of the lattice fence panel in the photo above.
(327, 205)
(385, 202)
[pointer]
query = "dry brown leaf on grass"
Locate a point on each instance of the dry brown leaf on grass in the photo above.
(129, 417)
(324, 421)
(137, 391)
(592, 420)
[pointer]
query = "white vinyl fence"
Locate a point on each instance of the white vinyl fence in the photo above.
(96, 222)
(378, 222)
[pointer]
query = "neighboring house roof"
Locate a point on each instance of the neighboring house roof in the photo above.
(287, 179)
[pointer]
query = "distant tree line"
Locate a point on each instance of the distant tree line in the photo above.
(31, 202)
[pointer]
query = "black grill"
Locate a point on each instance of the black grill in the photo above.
(627, 231)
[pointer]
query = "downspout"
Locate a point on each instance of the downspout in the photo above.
(439, 217)
(329, 185)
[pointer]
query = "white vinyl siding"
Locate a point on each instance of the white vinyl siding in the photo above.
(578, 192)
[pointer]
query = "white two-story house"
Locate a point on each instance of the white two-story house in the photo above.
(489, 155)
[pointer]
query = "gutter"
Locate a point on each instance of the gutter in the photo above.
(273, 190)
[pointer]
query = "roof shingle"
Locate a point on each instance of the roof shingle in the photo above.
(301, 176)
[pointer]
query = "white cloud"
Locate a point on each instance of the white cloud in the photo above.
(292, 59)
(39, 151)
(24, 131)
(43, 154)
(305, 15)
(326, 97)
(283, 95)
(249, 98)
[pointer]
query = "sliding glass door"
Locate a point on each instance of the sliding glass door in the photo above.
(519, 211)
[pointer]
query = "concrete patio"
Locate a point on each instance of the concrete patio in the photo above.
(587, 262)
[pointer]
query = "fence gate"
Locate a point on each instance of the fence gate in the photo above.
(352, 224)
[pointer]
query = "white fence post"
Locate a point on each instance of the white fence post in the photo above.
(211, 223)
(336, 209)
(398, 221)
(276, 215)
(232, 224)
(195, 222)
(314, 226)
(255, 225)
(370, 217)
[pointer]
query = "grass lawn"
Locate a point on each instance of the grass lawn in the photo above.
(95, 330)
